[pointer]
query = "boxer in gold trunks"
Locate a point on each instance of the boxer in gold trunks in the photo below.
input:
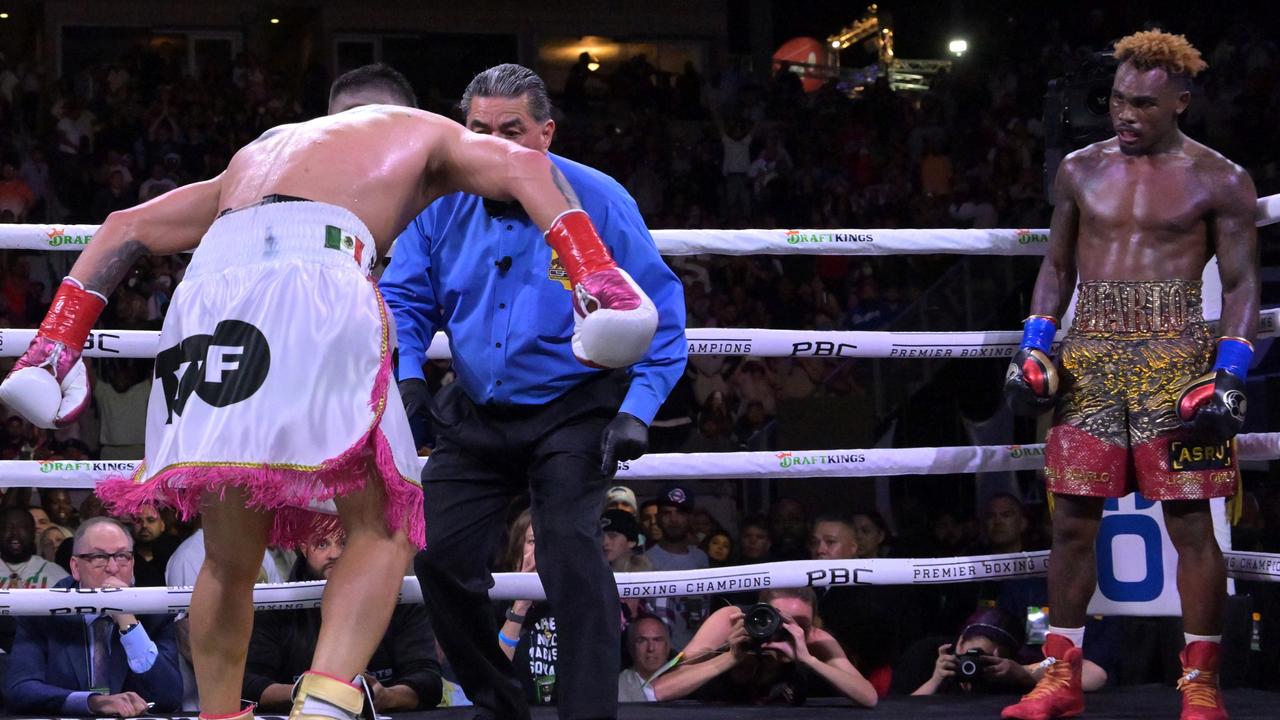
(1144, 397)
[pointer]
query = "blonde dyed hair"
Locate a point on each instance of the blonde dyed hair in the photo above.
(1151, 49)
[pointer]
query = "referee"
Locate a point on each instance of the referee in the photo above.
(524, 413)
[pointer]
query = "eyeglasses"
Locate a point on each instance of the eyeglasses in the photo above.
(99, 560)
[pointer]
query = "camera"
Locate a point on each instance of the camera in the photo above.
(763, 623)
(968, 665)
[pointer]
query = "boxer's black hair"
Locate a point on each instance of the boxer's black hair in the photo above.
(510, 81)
(377, 75)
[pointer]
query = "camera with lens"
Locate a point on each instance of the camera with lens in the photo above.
(763, 623)
(969, 666)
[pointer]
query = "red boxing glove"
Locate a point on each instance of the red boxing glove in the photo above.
(54, 355)
(614, 320)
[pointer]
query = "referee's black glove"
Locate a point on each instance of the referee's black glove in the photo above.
(625, 438)
(417, 405)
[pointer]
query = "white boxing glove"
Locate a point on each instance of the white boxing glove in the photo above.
(614, 320)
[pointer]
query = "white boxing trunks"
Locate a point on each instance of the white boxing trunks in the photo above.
(274, 376)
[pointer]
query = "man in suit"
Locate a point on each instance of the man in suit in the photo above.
(108, 664)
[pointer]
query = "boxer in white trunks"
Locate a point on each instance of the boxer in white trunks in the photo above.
(273, 392)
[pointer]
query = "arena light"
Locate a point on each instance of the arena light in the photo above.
(275, 21)
(4, 16)
(958, 47)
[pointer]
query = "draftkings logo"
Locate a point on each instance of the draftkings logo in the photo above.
(1031, 237)
(58, 237)
(788, 459)
(799, 237)
(1019, 451)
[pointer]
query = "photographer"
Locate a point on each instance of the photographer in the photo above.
(986, 658)
(764, 657)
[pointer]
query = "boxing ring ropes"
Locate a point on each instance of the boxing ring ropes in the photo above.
(853, 463)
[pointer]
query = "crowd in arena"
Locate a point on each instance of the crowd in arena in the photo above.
(697, 149)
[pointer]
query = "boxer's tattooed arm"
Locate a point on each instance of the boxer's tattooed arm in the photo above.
(113, 267)
(562, 184)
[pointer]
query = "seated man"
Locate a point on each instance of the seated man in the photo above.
(797, 660)
(110, 664)
(650, 644)
(403, 674)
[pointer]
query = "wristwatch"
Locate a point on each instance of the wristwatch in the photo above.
(128, 628)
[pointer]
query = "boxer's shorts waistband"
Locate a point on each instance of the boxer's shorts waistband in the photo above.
(277, 229)
(1149, 308)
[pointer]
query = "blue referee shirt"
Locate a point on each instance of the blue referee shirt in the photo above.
(510, 329)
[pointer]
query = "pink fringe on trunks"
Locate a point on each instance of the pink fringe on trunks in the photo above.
(287, 492)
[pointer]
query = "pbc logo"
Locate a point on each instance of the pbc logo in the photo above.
(222, 369)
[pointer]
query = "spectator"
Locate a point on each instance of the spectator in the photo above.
(528, 634)
(57, 505)
(801, 660)
(121, 394)
(621, 497)
(41, 519)
(1004, 523)
(675, 508)
(866, 621)
(157, 183)
(23, 568)
(649, 524)
(132, 661)
(753, 540)
(15, 195)
(788, 530)
(649, 642)
(51, 538)
(403, 675)
(719, 548)
(152, 547)
(869, 533)
(673, 552)
(621, 534)
(115, 196)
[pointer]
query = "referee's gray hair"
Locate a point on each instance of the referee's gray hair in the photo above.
(510, 80)
(77, 544)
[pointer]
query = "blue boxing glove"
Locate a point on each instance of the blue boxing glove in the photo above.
(1213, 405)
(1031, 382)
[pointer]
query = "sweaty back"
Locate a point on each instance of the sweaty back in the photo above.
(371, 160)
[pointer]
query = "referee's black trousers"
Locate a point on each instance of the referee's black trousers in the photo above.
(484, 456)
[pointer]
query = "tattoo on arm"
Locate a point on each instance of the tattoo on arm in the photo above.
(114, 267)
(562, 184)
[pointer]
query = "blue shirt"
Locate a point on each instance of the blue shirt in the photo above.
(510, 329)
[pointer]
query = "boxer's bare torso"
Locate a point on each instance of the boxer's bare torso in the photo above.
(345, 160)
(1146, 217)
(384, 163)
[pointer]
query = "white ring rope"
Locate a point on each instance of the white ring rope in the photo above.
(753, 342)
(1262, 567)
(896, 241)
(788, 464)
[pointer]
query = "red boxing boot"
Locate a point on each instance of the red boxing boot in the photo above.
(1058, 694)
(1201, 698)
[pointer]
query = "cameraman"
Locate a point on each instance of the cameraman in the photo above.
(722, 663)
(990, 646)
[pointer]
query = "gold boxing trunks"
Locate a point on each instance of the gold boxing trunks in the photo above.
(1131, 349)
